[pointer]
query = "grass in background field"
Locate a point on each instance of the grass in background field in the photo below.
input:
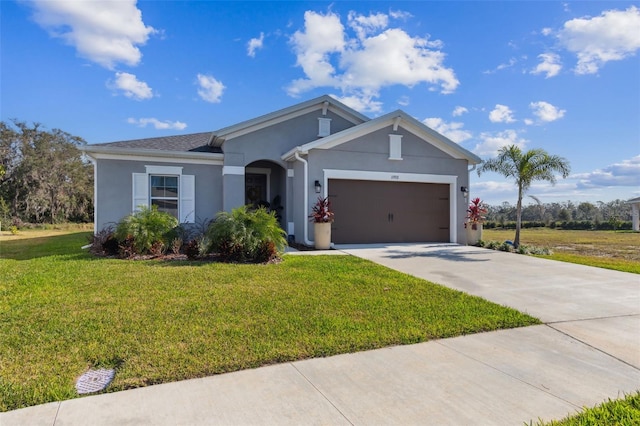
(619, 250)
(64, 311)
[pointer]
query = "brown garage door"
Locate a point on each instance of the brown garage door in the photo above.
(388, 212)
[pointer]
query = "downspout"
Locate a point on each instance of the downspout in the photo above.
(95, 191)
(306, 196)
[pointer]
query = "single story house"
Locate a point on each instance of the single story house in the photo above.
(635, 213)
(389, 178)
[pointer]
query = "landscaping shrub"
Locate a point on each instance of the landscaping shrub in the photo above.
(192, 250)
(157, 248)
(575, 225)
(143, 229)
(244, 235)
(512, 225)
(176, 245)
(110, 246)
(507, 247)
(266, 252)
(126, 248)
(204, 243)
(581, 225)
(492, 245)
(104, 243)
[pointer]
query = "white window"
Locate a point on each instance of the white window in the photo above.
(164, 193)
(167, 188)
(324, 127)
(395, 147)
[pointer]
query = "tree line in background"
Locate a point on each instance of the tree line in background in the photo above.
(43, 176)
(566, 215)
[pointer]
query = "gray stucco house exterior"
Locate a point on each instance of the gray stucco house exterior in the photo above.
(389, 179)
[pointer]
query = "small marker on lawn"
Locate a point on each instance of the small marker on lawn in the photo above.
(94, 380)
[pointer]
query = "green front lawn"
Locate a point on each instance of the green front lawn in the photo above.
(63, 311)
(620, 412)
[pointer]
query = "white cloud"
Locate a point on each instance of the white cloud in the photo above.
(404, 101)
(547, 31)
(612, 36)
(361, 102)
(452, 130)
(131, 86)
(492, 142)
(399, 14)
(502, 66)
(459, 110)
(393, 57)
(372, 58)
(546, 112)
(367, 25)
(254, 44)
(210, 89)
(501, 114)
(626, 173)
(549, 64)
(160, 125)
(322, 36)
(493, 187)
(105, 32)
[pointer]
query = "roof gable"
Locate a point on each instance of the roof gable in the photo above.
(396, 119)
(323, 103)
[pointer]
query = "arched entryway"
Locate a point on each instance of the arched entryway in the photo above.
(265, 185)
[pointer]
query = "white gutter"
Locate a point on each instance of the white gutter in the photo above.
(110, 153)
(95, 192)
(306, 196)
(472, 168)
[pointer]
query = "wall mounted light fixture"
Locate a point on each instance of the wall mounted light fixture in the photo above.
(465, 191)
(317, 186)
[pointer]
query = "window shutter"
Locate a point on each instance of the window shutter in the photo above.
(140, 190)
(187, 198)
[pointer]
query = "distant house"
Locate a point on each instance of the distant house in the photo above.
(389, 179)
(635, 213)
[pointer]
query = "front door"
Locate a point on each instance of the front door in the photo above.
(255, 189)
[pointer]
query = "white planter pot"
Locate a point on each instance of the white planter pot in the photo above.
(474, 235)
(322, 235)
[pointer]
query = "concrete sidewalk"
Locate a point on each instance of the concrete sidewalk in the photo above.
(588, 351)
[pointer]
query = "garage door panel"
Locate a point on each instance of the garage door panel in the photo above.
(373, 211)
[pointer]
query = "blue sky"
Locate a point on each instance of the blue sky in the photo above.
(562, 76)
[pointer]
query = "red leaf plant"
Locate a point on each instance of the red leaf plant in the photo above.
(321, 212)
(475, 213)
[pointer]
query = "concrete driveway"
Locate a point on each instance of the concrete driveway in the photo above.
(597, 306)
(587, 351)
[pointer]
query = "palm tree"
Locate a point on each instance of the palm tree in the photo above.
(524, 168)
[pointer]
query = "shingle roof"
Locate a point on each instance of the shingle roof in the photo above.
(194, 142)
